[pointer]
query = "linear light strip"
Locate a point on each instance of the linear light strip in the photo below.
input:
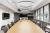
(25, 1)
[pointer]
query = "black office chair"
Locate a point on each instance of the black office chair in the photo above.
(4, 28)
(9, 26)
(12, 23)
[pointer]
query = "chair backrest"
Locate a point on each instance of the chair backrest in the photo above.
(4, 28)
(12, 23)
(9, 26)
(1, 31)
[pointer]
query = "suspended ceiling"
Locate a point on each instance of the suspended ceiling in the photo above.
(26, 6)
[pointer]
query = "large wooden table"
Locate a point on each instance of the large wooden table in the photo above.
(25, 26)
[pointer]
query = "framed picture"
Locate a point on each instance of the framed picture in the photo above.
(5, 16)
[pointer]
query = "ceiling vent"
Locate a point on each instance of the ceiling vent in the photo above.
(19, 9)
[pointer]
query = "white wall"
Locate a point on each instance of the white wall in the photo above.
(7, 21)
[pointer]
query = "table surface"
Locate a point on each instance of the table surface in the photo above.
(25, 26)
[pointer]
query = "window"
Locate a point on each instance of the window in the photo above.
(41, 14)
(5, 16)
(38, 14)
(46, 13)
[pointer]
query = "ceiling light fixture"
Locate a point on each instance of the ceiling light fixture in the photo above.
(25, 1)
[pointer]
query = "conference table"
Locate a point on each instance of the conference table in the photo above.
(25, 26)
